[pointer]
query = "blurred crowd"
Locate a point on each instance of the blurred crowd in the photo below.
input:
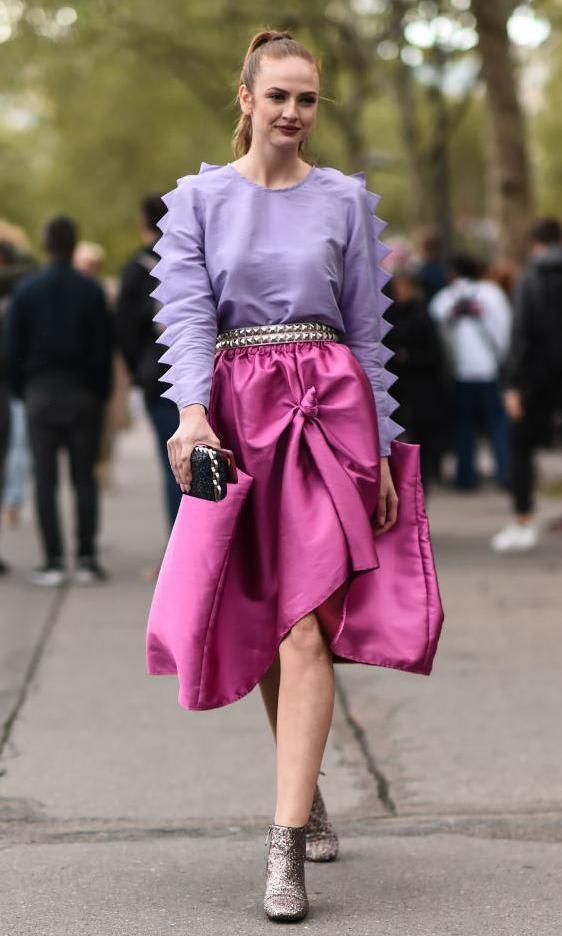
(478, 354)
(72, 343)
(478, 350)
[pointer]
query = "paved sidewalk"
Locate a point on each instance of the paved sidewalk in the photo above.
(122, 814)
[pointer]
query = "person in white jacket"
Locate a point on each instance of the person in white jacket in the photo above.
(475, 316)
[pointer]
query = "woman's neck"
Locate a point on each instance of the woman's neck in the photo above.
(272, 169)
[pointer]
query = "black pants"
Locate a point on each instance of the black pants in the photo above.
(479, 401)
(165, 420)
(534, 431)
(522, 468)
(67, 418)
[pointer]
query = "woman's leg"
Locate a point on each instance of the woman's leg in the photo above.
(321, 839)
(269, 687)
(304, 715)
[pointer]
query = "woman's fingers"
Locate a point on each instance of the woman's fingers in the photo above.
(387, 512)
(179, 453)
(193, 429)
(392, 512)
(184, 466)
(172, 459)
(381, 510)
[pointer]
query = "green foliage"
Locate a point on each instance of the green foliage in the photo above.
(134, 94)
(468, 159)
(546, 136)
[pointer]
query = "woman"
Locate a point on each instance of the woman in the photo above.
(280, 259)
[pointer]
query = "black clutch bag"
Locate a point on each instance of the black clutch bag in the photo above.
(211, 470)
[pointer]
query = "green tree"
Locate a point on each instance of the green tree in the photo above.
(513, 184)
(126, 96)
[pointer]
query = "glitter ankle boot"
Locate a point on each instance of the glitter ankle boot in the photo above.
(285, 893)
(321, 839)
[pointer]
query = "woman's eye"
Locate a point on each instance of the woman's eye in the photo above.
(308, 101)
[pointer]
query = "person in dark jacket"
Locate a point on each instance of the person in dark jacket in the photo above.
(419, 365)
(137, 334)
(60, 354)
(534, 377)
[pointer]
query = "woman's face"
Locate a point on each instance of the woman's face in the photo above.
(284, 102)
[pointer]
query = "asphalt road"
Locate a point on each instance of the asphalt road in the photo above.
(122, 814)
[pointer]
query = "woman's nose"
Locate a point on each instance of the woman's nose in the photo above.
(290, 110)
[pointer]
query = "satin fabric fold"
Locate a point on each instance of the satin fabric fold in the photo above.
(295, 535)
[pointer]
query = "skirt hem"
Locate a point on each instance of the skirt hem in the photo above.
(184, 702)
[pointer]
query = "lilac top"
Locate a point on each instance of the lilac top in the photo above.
(235, 253)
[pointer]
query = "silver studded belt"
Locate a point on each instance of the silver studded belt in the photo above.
(276, 334)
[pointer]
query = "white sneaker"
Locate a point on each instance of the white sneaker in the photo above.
(88, 572)
(49, 577)
(516, 537)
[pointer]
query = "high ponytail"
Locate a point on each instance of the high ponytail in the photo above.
(272, 44)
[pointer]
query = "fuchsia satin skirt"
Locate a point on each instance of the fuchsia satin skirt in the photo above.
(295, 534)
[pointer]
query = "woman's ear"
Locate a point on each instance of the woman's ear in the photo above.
(246, 99)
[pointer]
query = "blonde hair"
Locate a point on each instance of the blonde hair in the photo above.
(88, 251)
(272, 44)
(88, 257)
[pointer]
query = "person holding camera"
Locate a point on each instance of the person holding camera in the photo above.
(475, 319)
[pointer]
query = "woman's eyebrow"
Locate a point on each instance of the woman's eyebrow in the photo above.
(284, 91)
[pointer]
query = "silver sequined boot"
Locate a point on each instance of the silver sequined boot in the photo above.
(285, 893)
(321, 839)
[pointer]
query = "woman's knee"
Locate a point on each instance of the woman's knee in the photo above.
(305, 638)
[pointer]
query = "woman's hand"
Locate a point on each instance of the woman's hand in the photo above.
(387, 507)
(193, 429)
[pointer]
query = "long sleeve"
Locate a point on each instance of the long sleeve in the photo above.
(363, 304)
(188, 312)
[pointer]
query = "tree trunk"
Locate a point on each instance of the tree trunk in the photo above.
(439, 166)
(511, 171)
(407, 114)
